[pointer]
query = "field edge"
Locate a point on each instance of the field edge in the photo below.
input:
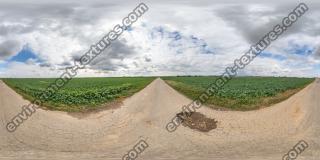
(270, 100)
(100, 107)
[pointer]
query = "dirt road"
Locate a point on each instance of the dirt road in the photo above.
(268, 133)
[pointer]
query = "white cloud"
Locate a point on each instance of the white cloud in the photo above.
(60, 32)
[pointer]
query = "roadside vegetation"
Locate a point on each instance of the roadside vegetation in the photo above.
(80, 94)
(241, 93)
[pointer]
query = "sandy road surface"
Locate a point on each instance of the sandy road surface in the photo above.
(268, 133)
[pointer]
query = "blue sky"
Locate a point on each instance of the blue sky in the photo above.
(300, 49)
(23, 56)
(278, 57)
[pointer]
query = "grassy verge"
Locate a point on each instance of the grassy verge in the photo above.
(80, 94)
(241, 93)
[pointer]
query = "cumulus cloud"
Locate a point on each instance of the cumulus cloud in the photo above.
(196, 37)
(9, 48)
(317, 52)
(253, 21)
(112, 59)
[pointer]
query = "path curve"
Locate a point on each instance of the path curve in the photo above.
(267, 133)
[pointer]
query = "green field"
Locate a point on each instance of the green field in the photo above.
(80, 94)
(241, 93)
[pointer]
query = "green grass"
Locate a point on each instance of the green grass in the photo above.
(241, 93)
(80, 94)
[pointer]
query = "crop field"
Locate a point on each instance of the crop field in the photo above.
(241, 93)
(80, 94)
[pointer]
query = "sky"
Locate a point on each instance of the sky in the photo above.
(40, 38)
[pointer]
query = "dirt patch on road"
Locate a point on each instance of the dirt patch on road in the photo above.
(197, 121)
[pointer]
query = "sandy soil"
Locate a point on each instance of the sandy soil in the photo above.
(268, 133)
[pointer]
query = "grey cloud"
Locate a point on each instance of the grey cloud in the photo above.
(9, 48)
(36, 10)
(317, 53)
(239, 17)
(45, 65)
(32, 16)
(135, 64)
(19, 19)
(147, 59)
(117, 51)
(14, 28)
